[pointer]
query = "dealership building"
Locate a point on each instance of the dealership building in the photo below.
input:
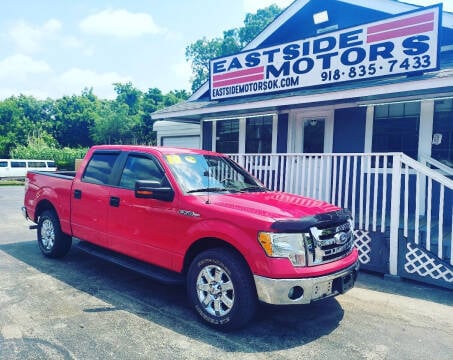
(349, 101)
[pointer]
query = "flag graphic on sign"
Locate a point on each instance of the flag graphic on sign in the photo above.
(405, 27)
(239, 77)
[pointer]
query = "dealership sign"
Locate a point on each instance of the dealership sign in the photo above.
(400, 45)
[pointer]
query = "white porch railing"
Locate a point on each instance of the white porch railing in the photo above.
(384, 191)
(434, 164)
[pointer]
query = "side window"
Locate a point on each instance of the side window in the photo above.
(18, 164)
(140, 168)
(3, 163)
(396, 128)
(37, 164)
(258, 134)
(99, 168)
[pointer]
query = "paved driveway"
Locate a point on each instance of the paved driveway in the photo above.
(84, 308)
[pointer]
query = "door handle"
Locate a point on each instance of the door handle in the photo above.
(114, 201)
(77, 194)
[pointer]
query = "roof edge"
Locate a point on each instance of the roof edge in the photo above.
(415, 85)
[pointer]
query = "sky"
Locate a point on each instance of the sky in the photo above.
(55, 48)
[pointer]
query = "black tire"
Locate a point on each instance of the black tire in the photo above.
(221, 289)
(52, 241)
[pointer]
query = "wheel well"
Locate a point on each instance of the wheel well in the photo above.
(205, 244)
(43, 206)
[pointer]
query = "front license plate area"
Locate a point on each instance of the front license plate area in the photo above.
(346, 282)
(322, 290)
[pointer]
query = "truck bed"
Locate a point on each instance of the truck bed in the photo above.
(60, 174)
(58, 189)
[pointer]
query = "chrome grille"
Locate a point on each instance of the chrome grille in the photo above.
(329, 244)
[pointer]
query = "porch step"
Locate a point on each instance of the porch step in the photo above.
(434, 240)
(422, 233)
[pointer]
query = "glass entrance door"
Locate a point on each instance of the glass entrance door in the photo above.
(313, 135)
(310, 170)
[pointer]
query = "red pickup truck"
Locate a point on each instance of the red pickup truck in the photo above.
(196, 217)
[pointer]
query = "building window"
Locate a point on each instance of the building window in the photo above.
(442, 140)
(258, 134)
(396, 128)
(227, 136)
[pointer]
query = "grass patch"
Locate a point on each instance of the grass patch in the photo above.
(11, 182)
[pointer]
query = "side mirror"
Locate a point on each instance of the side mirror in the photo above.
(151, 189)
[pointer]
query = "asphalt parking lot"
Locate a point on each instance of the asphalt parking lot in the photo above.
(81, 307)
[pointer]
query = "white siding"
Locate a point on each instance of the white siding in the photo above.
(172, 133)
(192, 142)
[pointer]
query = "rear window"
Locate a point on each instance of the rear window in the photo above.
(99, 168)
(18, 164)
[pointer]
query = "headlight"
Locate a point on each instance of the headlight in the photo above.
(291, 246)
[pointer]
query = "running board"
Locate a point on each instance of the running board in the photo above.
(154, 272)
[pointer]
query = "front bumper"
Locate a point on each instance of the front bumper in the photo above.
(304, 291)
(24, 212)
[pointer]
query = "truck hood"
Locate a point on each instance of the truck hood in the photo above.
(271, 205)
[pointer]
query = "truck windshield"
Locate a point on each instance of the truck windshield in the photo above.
(208, 173)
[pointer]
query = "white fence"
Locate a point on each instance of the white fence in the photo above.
(386, 192)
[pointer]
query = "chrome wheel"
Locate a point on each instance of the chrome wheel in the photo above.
(52, 242)
(215, 290)
(221, 289)
(47, 234)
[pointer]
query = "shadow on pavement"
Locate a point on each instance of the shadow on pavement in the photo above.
(274, 327)
(404, 287)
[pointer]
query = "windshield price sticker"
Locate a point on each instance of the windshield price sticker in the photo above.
(174, 159)
(400, 45)
(190, 159)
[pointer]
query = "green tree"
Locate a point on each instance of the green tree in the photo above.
(129, 95)
(73, 117)
(114, 124)
(15, 127)
(81, 120)
(256, 23)
(154, 100)
(201, 51)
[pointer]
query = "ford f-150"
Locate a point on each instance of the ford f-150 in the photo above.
(196, 217)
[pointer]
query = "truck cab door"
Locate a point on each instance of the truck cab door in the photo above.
(142, 227)
(90, 200)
